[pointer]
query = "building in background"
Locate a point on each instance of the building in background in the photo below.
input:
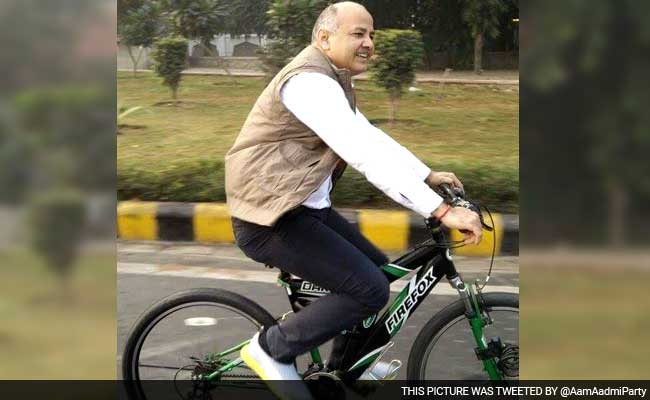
(239, 51)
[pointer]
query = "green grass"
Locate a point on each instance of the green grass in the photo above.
(584, 323)
(48, 334)
(472, 129)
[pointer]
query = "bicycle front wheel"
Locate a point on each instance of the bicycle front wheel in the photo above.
(444, 349)
(189, 336)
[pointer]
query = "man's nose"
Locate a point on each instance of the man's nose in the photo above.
(368, 43)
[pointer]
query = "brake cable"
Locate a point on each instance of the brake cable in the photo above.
(458, 200)
(494, 248)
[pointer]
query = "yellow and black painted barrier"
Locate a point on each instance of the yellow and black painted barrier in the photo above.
(210, 223)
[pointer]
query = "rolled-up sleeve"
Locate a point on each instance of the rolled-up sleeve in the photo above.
(420, 168)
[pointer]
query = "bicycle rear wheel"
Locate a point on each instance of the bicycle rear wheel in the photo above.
(188, 336)
(444, 349)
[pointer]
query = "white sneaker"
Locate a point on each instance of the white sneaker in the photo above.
(272, 371)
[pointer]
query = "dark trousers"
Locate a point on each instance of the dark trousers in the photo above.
(325, 249)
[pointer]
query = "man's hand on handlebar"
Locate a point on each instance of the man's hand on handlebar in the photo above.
(437, 178)
(463, 219)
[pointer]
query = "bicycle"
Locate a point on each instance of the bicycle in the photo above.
(199, 351)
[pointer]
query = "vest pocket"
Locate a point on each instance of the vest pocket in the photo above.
(269, 183)
(291, 164)
(300, 156)
(283, 184)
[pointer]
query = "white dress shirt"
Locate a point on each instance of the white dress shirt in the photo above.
(320, 103)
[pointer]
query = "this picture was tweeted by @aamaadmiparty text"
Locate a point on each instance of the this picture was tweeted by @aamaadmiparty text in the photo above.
(546, 390)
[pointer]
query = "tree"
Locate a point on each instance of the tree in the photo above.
(169, 57)
(585, 64)
(439, 21)
(398, 53)
(248, 16)
(125, 6)
(196, 19)
(139, 28)
(443, 30)
(289, 24)
(483, 19)
(56, 220)
(66, 126)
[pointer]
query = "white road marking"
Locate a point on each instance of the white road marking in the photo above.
(161, 350)
(261, 276)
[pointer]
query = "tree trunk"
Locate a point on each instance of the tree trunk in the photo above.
(137, 60)
(174, 95)
(617, 203)
(134, 62)
(478, 53)
(394, 105)
(66, 288)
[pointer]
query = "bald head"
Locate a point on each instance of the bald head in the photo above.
(344, 33)
(329, 18)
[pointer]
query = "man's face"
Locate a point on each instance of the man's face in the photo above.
(351, 46)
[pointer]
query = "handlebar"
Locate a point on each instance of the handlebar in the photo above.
(455, 197)
(450, 194)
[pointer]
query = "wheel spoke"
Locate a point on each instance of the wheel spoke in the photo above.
(186, 368)
(445, 347)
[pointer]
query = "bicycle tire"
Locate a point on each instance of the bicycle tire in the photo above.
(248, 308)
(441, 321)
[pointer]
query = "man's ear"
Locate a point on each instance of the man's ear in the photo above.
(323, 39)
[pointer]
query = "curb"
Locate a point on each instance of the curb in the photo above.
(210, 223)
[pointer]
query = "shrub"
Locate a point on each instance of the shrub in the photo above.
(70, 131)
(397, 54)
(199, 180)
(203, 180)
(169, 61)
(56, 220)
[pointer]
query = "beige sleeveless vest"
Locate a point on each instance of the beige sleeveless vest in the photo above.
(276, 161)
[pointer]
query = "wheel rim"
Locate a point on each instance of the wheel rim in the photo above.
(450, 353)
(167, 344)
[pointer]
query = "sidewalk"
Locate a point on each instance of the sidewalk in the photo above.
(500, 77)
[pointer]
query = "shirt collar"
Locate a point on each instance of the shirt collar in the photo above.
(343, 74)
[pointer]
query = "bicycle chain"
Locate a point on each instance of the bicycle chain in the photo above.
(240, 376)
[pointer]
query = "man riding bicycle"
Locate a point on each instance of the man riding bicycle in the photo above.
(297, 140)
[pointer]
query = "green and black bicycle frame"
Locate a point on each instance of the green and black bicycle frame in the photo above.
(433, 262)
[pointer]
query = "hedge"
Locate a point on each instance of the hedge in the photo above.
(203, 181)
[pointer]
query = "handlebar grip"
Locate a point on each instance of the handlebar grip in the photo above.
(447, 192)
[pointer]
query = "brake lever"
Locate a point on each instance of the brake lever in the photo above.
(455, 198)
(450, 193)
(473, 207)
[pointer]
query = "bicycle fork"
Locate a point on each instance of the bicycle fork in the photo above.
(478, 319)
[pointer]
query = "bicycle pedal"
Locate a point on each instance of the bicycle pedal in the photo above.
(382, 371)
